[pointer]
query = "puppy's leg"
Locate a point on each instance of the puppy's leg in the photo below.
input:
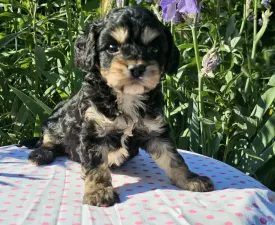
(46, 152)
(98, 182)
(166, 156)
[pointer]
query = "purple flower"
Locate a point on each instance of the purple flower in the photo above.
(172, 8)
(266, 3)
(119, 3)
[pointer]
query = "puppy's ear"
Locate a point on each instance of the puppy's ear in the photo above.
(172, 56)
(85, 46)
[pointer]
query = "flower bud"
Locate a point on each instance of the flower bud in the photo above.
(210, 62)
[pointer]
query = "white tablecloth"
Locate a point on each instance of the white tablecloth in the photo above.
(53, 194)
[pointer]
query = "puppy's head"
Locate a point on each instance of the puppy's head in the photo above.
(130, 48)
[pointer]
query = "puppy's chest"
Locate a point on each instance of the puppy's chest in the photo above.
(128, 118)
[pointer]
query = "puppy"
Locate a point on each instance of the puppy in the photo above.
(119, 107)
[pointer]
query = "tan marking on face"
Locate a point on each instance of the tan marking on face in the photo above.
(117, 74)
(151, 76)
(148, 35)
(116, 158)
(120, 34)
(119, 77)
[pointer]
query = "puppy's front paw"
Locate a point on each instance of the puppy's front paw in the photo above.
(199, 184)
(41, 157)
(104, 196)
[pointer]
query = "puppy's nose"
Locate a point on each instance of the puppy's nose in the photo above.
(137, 70)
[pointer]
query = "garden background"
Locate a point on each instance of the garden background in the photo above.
(222, 108)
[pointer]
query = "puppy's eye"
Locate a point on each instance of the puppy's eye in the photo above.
(112, 49)
(153, 49)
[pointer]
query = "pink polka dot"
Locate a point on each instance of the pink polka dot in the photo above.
(239, 198)
(45, 223)
(239, 214)
(247, 208)
(152, 218)
(263, 220)
(271, 218)
(210, 217)
(135, 213)
(169, 223)
(198, 224)
(192, 211)
(139, 223)
(180, 216)
(228, 223)
(30, 219)
(92, 218)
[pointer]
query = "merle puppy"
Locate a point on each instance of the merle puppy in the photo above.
(120, 105)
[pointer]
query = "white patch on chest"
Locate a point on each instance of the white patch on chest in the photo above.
(129, 106)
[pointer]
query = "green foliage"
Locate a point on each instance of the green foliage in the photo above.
(229, 117)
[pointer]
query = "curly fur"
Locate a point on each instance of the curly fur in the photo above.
(119, 107)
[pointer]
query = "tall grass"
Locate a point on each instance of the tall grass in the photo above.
(228, 117)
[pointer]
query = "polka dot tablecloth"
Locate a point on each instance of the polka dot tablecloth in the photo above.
(53, 194)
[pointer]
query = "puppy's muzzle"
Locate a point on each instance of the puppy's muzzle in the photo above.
(137, 71)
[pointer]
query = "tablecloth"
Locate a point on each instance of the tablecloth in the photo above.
(52, 194)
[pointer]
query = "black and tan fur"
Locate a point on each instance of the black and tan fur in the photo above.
(120, 105)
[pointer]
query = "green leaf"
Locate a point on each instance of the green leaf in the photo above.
(194, 128)
(252, 154)
(179, 109)
(40, 58)
(235, 41)
(230, 29)
(46, 108)
(267, 154)
(8, 38)
(91, 6)
(21, 118)
(34, 107)
(266, 100)
(59, 23)
(9, 15)
(264, 136)
(37, 127)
